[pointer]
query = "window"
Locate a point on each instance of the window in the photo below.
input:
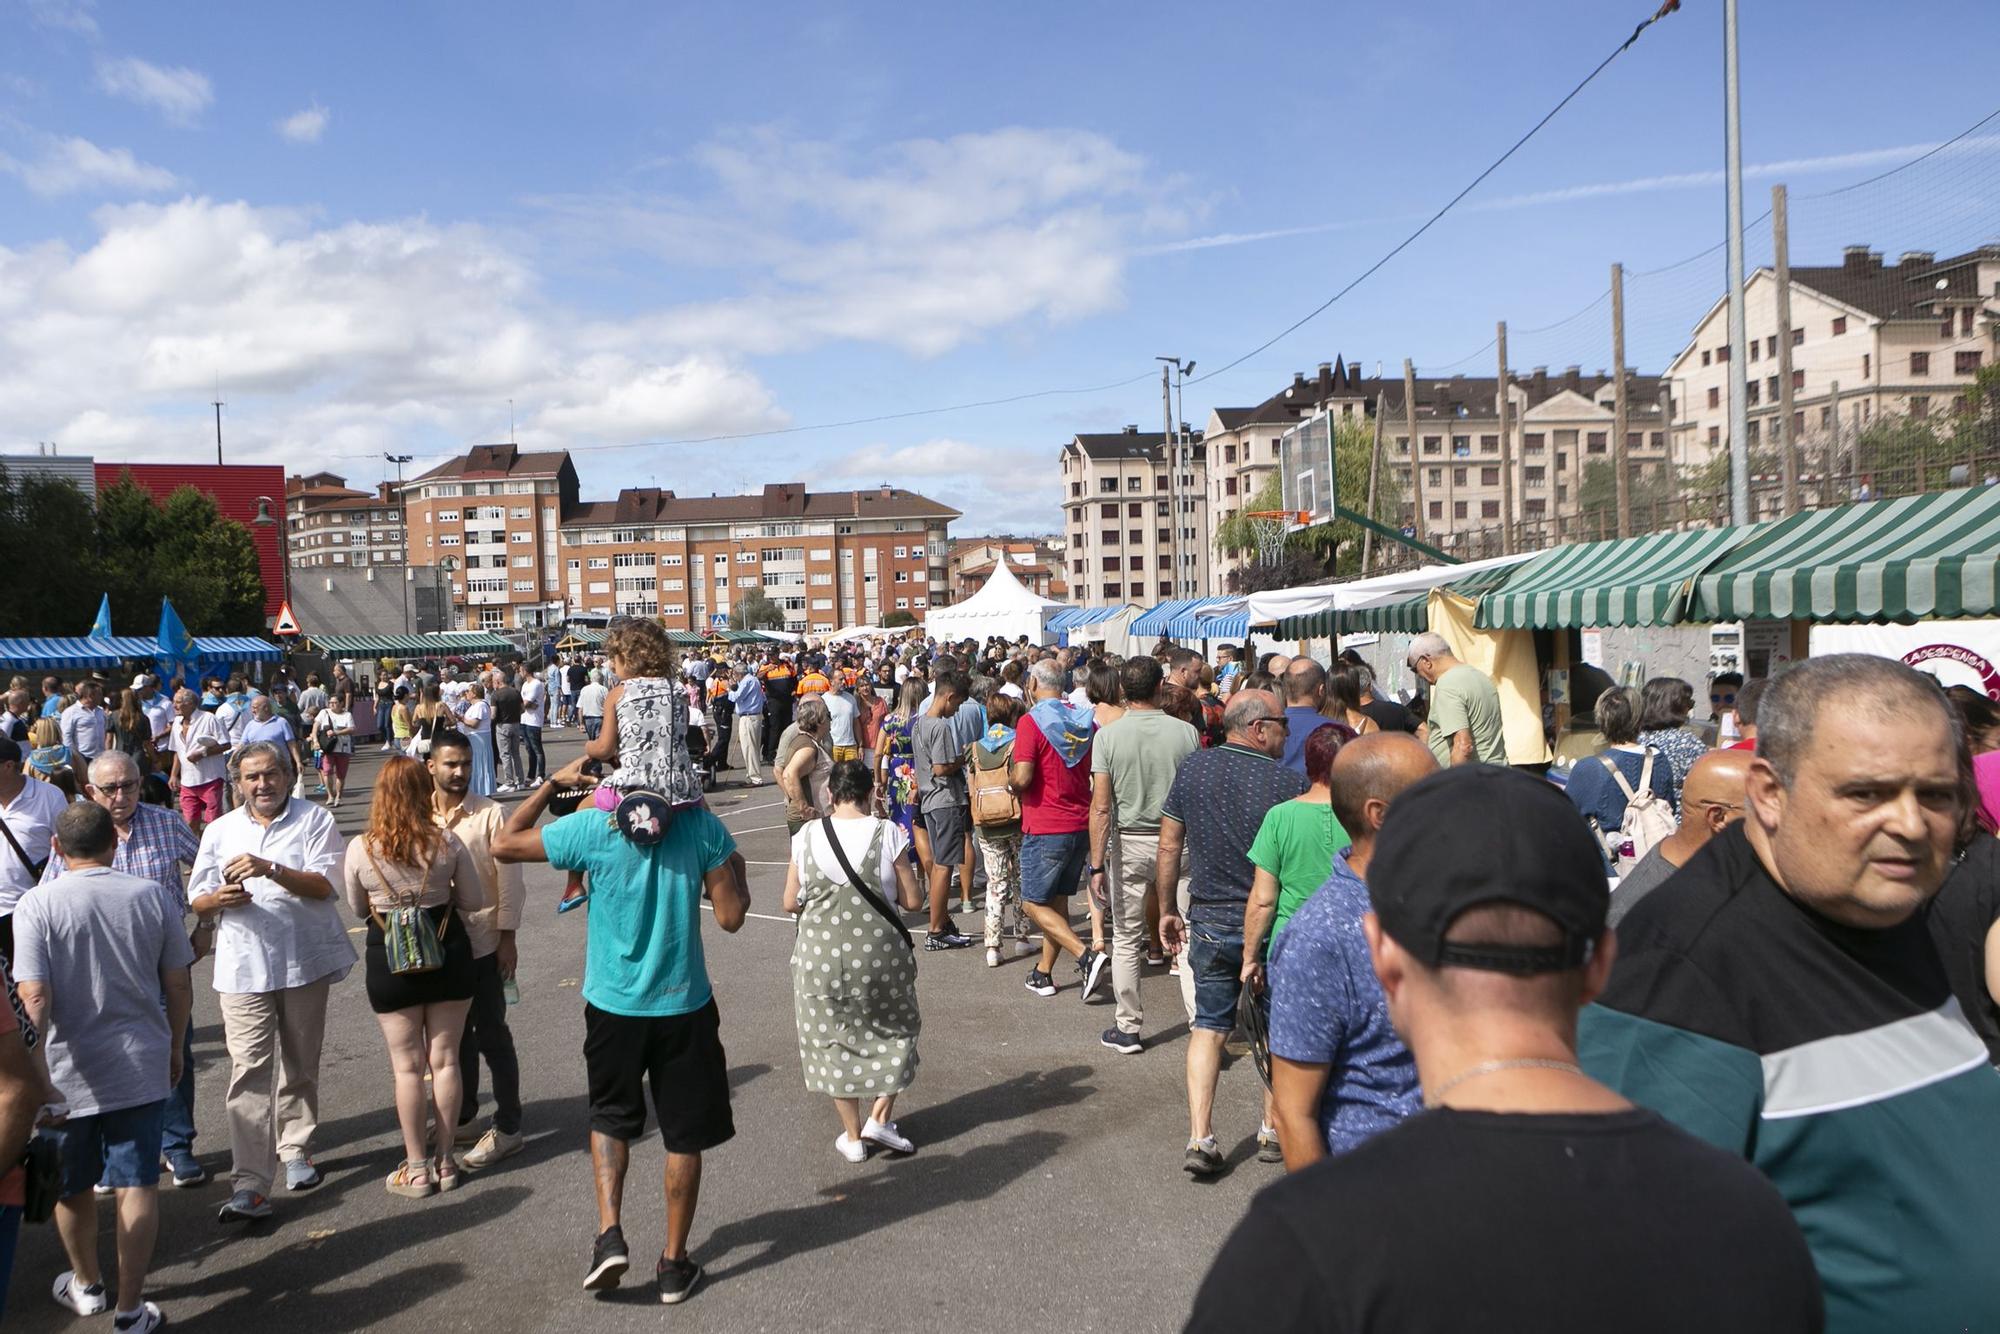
(1920, 406)
(524, 585)
(1137, 537)
(1755, 348)
(748, 581)
(1135, 510)
(1839, 325)
(1109, 537)
(1714, 397)
(448, 540)
(823, 579)
(1534, 475)
(1867, 362)
(1798, 381)
(1594, 442)
(1433, 444)
(1138, 562)
(1714, 436)
(674, 609)
(902, 576)
(1771, 388)
(448, 516)
(1704, 356)
(1229, 486)
(670, 585)
(785, 553)
(1965, 363)
(1489, 509)
(576, 565)
(1111, 564)
(1437, 509)
(1434, 477)
(1135, 484)
(916, 553)
(1770, 346)
(1489, 444)
(1107, 511)
(1111, 592)
(902, 553)
(524, 562)
(521, 512)
(1489, 477)
(1166, 589)
(1722, 353)
(636, 583)
(1076, 488)
(1755, 431)
(1160, 482)
(1533, 443)
(1163, 508)
(1458, 509)
(1107, 484)
(1402, 444)
(1753, 394)
(1920, 363)
(1166, 536)
(1461, 446)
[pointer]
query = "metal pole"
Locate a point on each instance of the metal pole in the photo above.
(1788, 436)
(1184, 453)
(1739, 401)
(1832, 467)
(1620, 408)
(218, 433)
(1506, 453)
(1374, 471)
(1167, 452)
(1416, 448)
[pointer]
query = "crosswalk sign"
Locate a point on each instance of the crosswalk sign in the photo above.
(288, 624)
(719, 621)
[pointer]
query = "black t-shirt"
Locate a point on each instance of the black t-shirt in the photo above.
(506, 703)
(1960, 916)
(1517, 1224)
(577, 676)
(1389, 715)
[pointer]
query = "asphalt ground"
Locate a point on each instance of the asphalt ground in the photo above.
(1046, 1190)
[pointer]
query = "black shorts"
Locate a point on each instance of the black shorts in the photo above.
(389, 992)
(680, 1055)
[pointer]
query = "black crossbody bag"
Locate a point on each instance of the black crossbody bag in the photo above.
(840, 856)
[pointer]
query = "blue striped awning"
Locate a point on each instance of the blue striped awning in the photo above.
(1075, 618)
(44, 654)
(237, 648)
(1191, 624)
(1153, 621)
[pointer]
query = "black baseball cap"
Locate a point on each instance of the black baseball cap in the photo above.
(1477, 834)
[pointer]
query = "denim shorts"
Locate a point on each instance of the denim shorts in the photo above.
(1216, 955)
(1052, 865)
(120, 1148)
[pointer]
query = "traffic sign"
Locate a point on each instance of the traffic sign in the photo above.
(288, 624)
(719, 621)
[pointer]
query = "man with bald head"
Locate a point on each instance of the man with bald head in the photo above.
(1339, 1073)
(1711, 801)
(1212, 812)
(153, 844)
(1785, 1000)
(1304, 683)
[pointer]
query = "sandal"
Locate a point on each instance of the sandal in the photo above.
(412, 1180)
(448, 1175)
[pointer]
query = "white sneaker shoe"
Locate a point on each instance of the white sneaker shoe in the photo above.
(992, 958)
(853, 1150)
(93, 1300)
(886, 1134)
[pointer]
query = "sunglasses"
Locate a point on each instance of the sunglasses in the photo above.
(1715, 697)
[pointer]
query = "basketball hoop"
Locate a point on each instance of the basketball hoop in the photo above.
(1270, 528)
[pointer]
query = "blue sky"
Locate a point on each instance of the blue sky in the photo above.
(373, 224)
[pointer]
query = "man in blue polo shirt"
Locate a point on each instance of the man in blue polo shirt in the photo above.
(649, 1014)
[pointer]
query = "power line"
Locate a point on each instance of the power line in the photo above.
(1669, 7)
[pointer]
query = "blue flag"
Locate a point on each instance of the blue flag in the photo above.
(101, 627)
(178, 655)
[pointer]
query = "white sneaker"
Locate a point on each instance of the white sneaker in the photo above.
(148, 1320)
(755, 781)
(853, 1150)
(993, 958)
(93, 1300)
(503, 788)
(886, 1134)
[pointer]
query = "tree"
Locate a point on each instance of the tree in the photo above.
(1597, 499)
(1331, 548)
(184, 550)
(45, 524)
(755, 611)
(897, 620)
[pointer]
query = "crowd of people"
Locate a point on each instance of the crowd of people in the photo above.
(1703, 1015)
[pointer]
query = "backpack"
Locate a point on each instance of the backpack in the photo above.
(993, 802)
(1648, 816)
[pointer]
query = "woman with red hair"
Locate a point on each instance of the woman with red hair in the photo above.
(405, 860)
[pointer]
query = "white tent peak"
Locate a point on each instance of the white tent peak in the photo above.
(1002, 606)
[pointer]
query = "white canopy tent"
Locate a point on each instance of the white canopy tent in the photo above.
(1002, 607)
(1383, 590)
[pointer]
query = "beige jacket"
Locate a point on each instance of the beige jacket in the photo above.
(475, 821)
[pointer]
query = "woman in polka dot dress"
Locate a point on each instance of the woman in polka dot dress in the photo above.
(854, 975)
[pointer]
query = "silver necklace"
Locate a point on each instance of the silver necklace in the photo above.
(1495, 1067)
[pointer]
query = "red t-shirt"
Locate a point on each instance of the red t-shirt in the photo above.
(1058, 801)
(1750, 744)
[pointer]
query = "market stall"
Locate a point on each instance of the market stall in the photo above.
(1002, 607)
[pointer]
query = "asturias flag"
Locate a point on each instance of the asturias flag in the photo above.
(177, 651)
(101, 627)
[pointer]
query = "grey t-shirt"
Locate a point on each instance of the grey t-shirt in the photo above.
(935, 741)
(1142, 751)
(98, 938)
(1651, 871)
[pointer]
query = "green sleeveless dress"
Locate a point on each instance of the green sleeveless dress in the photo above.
(854, 982)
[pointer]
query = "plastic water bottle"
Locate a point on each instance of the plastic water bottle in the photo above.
(1728, 733)
(512, 991)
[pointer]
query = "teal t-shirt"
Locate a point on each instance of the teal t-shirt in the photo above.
(643, 955)
(1296, 843)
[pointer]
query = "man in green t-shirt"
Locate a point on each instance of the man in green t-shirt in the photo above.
(1464, 705)
(1132, 766)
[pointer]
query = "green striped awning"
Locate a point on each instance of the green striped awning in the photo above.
(1905, 560)
(438, 645)
(1634, 581)
(1411, 616)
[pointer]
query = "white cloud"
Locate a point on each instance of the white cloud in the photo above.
(1012, 490)
(927, 245)
(328, 341)
(305, 127)
(71, 165)
(179, 94)
(64, 15)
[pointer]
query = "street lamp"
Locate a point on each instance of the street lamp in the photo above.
(1173, 444)
(448, 610)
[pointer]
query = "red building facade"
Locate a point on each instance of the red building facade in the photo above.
(236, 489)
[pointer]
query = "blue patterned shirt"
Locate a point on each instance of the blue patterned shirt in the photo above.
(159, 844)
(1328, 1009)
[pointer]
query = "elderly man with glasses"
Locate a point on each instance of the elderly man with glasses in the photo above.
(153, 844)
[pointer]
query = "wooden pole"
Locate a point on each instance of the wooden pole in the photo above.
(1506, 453)
(1788, 443)
(1374, 473)
(1620, 412)
(1835, 461)
(1416, 446)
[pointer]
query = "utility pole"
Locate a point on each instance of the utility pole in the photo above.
(1167, 452)
(1374, 472)
(1620, 409)
(1506, 450)
(218, 432)
(402, 515)
(1835, 455)
(1788, 441)
(1739, 400)
(1416, 447)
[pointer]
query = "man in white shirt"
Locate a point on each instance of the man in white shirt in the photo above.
(590, 703)
(534, 717)
(281, 945)
(28, 811)
(158, 708)
(83, 724)
(842, 713)
(201, 760)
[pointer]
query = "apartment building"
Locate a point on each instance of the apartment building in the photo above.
(1036, 561)
(1120, 526)
(828, 559)
(1868, 340)
(329, 523)
(491, 518)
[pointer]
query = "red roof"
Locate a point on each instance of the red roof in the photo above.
(234, 487)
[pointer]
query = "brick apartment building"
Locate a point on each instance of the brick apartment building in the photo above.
(329, 523)
(1036, 561)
